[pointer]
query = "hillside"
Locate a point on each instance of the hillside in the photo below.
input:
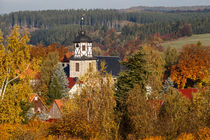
(167, 9)
(203, 38)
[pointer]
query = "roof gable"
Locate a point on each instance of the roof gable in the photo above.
(59, 103)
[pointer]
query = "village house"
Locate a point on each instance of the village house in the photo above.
(55, 111)
(38, 105)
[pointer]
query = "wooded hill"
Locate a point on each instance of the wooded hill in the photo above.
(168, 9)
(61, 26)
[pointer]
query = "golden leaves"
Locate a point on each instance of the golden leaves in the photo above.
(193, 64)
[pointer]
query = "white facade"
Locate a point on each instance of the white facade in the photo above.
(83, 49)
(83, 67)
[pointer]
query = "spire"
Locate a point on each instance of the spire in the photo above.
(82, 24)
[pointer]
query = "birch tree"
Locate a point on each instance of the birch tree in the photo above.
(14, 58)
(16, 70)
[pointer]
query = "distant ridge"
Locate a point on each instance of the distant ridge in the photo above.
(167, 9)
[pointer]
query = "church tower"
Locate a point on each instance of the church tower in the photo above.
(83, 44)
(83, 59)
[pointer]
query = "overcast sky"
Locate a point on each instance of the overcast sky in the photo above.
(7, 6)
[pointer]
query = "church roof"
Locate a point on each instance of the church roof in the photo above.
(82, 37)
(82, 58)
(112, 64)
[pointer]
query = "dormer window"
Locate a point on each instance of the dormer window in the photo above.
(36, 98)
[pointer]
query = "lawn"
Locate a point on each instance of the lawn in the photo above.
(204, 38)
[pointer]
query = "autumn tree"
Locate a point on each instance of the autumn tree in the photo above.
(193, 66)
(15, 61)
(186, 30)
(155, 65)
(171, 57)
(136, 72)
(200, 109)
(91, 112)
(41, 51)
(47, 69)
(143, 112)
(174, 112)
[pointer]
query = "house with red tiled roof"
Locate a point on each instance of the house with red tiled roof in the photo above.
(38, 105)
(55, 111)
(188, 92)
(74, 86)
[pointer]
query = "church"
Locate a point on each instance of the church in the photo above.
(84, 59)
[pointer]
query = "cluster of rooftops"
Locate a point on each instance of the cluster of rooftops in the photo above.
(113, 66)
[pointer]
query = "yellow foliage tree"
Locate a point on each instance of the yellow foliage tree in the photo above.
(155, 64)
(90, 114)
(193, 65)
(15, 61)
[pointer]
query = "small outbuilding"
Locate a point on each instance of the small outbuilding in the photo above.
(55, 111)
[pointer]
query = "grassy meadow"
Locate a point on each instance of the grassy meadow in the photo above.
(204, 38)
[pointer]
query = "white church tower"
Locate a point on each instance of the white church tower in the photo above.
(83, 44)
(83, 58)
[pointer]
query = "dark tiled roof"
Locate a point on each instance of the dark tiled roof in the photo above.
(112, 64)
(82, 37)
(82, 58)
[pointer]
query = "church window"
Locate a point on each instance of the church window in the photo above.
(77, 67)
(83, 48)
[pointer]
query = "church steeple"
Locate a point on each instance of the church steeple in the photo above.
(82, 43)
(82, 23)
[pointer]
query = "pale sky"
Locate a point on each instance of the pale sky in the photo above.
(7, 6)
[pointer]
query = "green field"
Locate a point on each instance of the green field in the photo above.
(204, 38)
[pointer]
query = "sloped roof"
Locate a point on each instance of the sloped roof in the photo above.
(59, 103)
(82, 37)
(188, 92)
(72, 82)
(82, 58)
(67, 56)
(112, 64)
(31, 98)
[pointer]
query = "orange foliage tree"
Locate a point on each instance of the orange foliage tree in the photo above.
(42, 51)
(193, 66)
